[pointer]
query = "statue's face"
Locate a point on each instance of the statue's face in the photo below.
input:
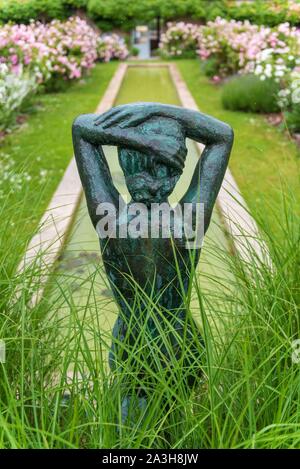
(148, 180)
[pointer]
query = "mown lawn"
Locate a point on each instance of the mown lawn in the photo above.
(33, 158)
(263, 161)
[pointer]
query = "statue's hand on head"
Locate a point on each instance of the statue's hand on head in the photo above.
(128, 115)
(115, 126)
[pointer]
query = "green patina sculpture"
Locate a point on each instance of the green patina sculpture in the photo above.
(150, 138)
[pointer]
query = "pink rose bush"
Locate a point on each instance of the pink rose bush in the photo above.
(48, 54)
(180, 39)
(21, 47)
(229, 47)
(238, 46)
(61, 48)
(72, 47)
(233, 46)
(67, 49)
(111, 47)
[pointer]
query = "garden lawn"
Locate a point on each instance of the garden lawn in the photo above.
(33, 158)
(264, 161)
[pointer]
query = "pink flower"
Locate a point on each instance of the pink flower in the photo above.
(14, 59)
(16, 69)
(216, 79)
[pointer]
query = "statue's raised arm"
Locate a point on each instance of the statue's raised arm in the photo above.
(216, 135)
(88, 138)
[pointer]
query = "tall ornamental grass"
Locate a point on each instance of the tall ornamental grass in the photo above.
(56, 390)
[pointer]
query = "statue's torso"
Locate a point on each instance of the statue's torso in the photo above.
(160, 265)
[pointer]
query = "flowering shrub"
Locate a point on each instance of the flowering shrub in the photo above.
(111, 47)
(14, 89)
(63, 48)
(268, 60)
(239, 47)
(289, 100)
(232, 46)
(180, 40)
(226, 45)
(20, 46)
(293, 87)
(48, 54)
(66, 48)
(281, 63)
(72, 47)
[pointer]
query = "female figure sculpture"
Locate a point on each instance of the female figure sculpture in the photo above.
(151, 147)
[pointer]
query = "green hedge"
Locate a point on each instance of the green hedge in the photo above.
(25, 10)
(125, 13)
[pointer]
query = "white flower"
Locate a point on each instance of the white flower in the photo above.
(268, 72)
(295, 84)
(264, 55)
(283, 93)
(296, 96)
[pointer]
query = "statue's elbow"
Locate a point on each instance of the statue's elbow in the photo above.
(228, 134)
(77, 125)
(82, 124)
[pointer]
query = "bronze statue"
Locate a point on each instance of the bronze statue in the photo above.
(150, 138)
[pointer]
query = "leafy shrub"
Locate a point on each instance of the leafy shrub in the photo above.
(23, 12)
(126, 13)
(293, 119)
(26, 10)
(260, 12)
(249, 93)
(210, 67)
(270, 13)
(134, 51)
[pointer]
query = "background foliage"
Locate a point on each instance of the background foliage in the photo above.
(125, 13)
